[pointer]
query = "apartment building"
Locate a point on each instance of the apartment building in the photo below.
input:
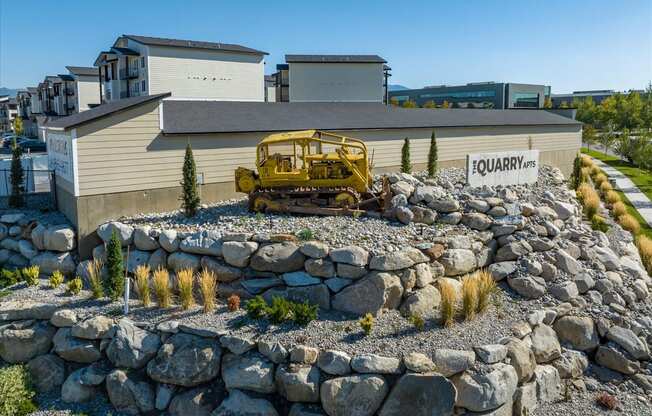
(332, 78)
(8, 112)
(141, 65)
(27, 104)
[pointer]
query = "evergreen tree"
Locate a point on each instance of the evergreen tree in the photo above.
(115, 279)
(17, 177)
(189, 184)
(406, 166)
(576, 176)
(432, 156)
(18, 126)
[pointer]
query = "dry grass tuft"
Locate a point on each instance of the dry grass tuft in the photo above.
(605, 187)
(600, 178)
(186, 283)
(644, 245)
(141, 280)
(618, 209)
(486, 288)
(629, 223)
(94, 269)
(233, 303)
(584, 174)
(469, 297)
(595, 171)
(586, 161)
(612, 197)
(208, 289)
(583, 190)
(591, 203)
(448, 302)
(162, 289)
(607, 401)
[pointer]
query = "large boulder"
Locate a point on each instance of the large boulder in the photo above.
(169, 240)
(548, 384)
(129, 394)
(132, 347)
(513, 251)
(481, 392)
(421, 302)
(545, 344)
(503, 269)
(278, 258)
(47, 372)
(315, 249)
(223, 273)
(75, 391)
(370, 294)
(298, 382)
(93, 328)
(186, 360)
(74, 349)
(180, 261)
(200, 401)
(359, 395)
(206, 242)
(22, 341)
(627, 340)
(238, 253)
(352, 255)
(145, 238)
(27, 249)
(241, 404)
(420, 395)
(372, 363)
(125, 232)
(477, 221)
(59, 238)
(250, 371)
(449, 362)
(530, 287)
(458, 261)
(577, 332)
(334, 362)
(49, 262)
(521, 358)
(571, 364)
(398, 260)
(17, 310)
(37, 236)
(615, 358)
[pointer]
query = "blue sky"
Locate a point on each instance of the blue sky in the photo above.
(568, 44)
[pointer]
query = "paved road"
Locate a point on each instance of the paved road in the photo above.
(639, 200)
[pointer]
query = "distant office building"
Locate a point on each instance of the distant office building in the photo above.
(496, 95)
(332, 78)
(563, 100)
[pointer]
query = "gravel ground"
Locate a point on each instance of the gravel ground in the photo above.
(51, 405)
(43, 217)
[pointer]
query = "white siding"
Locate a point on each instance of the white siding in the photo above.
(361, 82)
(88, 92)
(197, 73)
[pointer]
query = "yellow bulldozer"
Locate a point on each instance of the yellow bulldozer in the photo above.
(310, 172)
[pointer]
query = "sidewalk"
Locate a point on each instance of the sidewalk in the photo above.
(639, 200)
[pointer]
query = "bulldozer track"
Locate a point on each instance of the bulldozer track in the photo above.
(286, 198)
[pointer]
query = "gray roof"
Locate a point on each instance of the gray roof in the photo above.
(335, 59)
(102, 110)
(66, 77)
(185, 116)
(82, 70)
(32, 90)
(124, 51)
(180, 43)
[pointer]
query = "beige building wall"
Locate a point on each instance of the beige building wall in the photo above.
(359, 82)
(88, 92)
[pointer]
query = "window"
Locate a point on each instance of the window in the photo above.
(460, 94)
(143, 86)
(142, 62)
(525, 99)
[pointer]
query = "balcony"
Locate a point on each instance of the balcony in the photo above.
(123, 94)
(70, 92)
(130, 74)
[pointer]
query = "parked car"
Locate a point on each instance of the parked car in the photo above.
(9, 140)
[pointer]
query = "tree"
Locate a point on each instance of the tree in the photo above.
(586, 111)
(189, 186)
(589, 135)
(445, 104)
(607, 137)
(576, 176)
(115, 279)
(409, 104)
(394, 101)
(646, 111)
(406, 166)
(625, 145)
(563, 104)
(432, 156)
(470, 105)
(547, 102)
(455, 105)
(18, 126)
(16, 199)
(429, 104)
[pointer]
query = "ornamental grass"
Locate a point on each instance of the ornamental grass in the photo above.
(629, 223)
(448, 302)
(186, 283)
(600, 179)
(141, 277)
(618, 209)
(606, 187)
(486, 288)
(94, 271)
(591, 203)
(208, 290)
(586, 161)
(595, 171)
(469, 297)
(644, 245)
(162, 289)
(612, 197)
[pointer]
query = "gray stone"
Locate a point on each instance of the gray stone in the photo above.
(169, 240)
(127, 395)
(240, 404)
(397, 260)
(567, 263)
(482, 392)
(26, 249)
(303, 409)
(278, 258)
(444, 205)
(132, 347)
(315, 249)
(458, 261)
(477, 221)
(238, 253)
(248, 372)
(369, 295)
(359, 395)
(525, 399)
(449, 362)
(37, 236)
(236, 344)
(144, 238)
(304, 355)
(336, 284)
(47, 372)
(59, 238)
(614, 358)
(74, 391)
(501, 270)
(404, 215)
(49, 262)
(479, 205)
(352, 255)
(418, 363)
(577, 332)
(372, 363)
(452, 218)
(420, 395)
(158, 259)
(607, 257)
(491, 353)
(64, 318)
(571, 364)
(320, 267)
(20, 343)
(19, 261)
(521, 358)
(298, 382)
(180, 261)
(530, 287)
(199, 401)
(627, 339)
(206, 242)
(186, 360)
(223, 272)
(299, 278)
(584, 282)
(125, 232)
(75, 349)
(273, 350)
(313, 294)
(423, 275)
(545, 344)
(135, 259)
(512, 251)
(333, 362)
(350, 272)
(548, 384)
(96, 327)
(564, 291)
(17, 310)
(421, 302)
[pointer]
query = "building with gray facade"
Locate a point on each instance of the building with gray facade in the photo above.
(496, 95)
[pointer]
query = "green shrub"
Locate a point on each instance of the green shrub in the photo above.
(30, 274)
(56, 279)
(305, 234)
(190, 197)
(599, 223)
(256, 307)
(16, 392)
(367, 323)
(418, 321)
(7, 278)
(75, 285)
(114, 284)
(279, 311)
(432, 156)
(303, 313)
(406, 165)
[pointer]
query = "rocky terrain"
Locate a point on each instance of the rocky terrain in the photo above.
(571, 320)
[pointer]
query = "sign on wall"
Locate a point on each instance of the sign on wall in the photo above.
(60, 155)
(504, 168)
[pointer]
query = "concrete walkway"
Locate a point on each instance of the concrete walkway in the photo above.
(639, 200)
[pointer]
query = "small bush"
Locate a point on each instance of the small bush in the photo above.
(185, 282)
(141, 280)
(448, 302)
(279, 311)
(594, 171)
(56, 279)
(618, 209)
(16, 391)
(256, 307)
(7, 278)
(486, 288)
(74, 286)
(94, 270)
(469, 297)
(306, 234)
(30, 274)
(367, 323)
(584, 175)
(644, 245)
(612, 197)
(161, 286)
(303, 313)
(586, 161)
(600, 178)
(418, 321)
(583, 190)
(629, 223)
(598, 223)
(607, 400)
(605, 187)
(114, 284)
(591, 203)
(208, 290)
(233, 303)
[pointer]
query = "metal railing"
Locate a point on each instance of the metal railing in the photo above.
(39, 188)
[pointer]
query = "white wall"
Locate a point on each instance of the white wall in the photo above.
(361, 82)
(197, 73)
(88, 92)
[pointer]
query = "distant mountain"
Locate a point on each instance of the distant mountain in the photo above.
(397, 87)
(8, 91)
